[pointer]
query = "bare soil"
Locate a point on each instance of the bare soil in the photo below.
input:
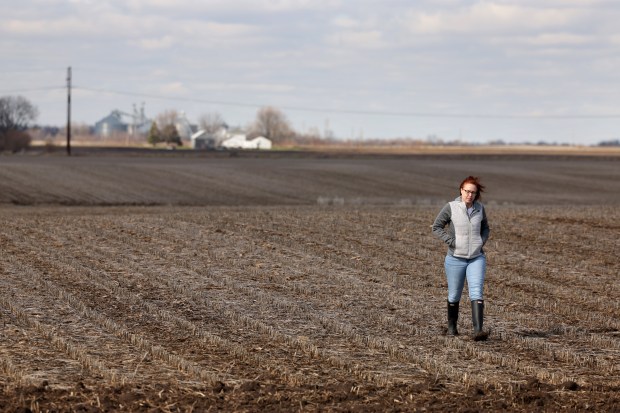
(286, 301)
(106, 177)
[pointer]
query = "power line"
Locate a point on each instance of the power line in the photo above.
(329, 111)
(358, 112)
(29, 70)
(146, 95)
(39, 89)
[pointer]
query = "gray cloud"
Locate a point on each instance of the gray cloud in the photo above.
(475, 70)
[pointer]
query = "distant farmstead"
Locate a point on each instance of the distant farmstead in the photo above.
(222, 139)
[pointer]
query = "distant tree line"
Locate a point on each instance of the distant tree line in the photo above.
(615, 142)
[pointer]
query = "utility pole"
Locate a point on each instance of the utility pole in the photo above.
(69, 111)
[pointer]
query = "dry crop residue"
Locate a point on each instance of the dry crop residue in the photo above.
(302, 308)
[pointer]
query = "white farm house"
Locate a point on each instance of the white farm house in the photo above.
(241, 142)
(223, 139)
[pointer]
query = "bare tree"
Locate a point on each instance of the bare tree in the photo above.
(272, 124)
(211, 123)
(168, 117)
(16, 113)
(172, 119)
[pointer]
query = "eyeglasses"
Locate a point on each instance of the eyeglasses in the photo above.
(469, 192)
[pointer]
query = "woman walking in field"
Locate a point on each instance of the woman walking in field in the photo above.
(466, 233)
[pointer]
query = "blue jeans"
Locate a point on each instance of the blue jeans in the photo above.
(457, 269)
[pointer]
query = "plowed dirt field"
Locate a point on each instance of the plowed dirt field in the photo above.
(309, 303)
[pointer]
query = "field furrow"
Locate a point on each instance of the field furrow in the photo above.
(281, 301)
(308, 316)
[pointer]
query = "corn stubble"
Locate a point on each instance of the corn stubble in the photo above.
(295, 303)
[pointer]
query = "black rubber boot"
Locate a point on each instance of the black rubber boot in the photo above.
(453, 317)
(477, 318)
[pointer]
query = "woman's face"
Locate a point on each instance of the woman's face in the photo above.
(468, 193)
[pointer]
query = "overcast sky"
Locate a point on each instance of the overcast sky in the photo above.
(519, 71)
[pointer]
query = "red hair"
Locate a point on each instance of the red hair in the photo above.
(474, 180)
